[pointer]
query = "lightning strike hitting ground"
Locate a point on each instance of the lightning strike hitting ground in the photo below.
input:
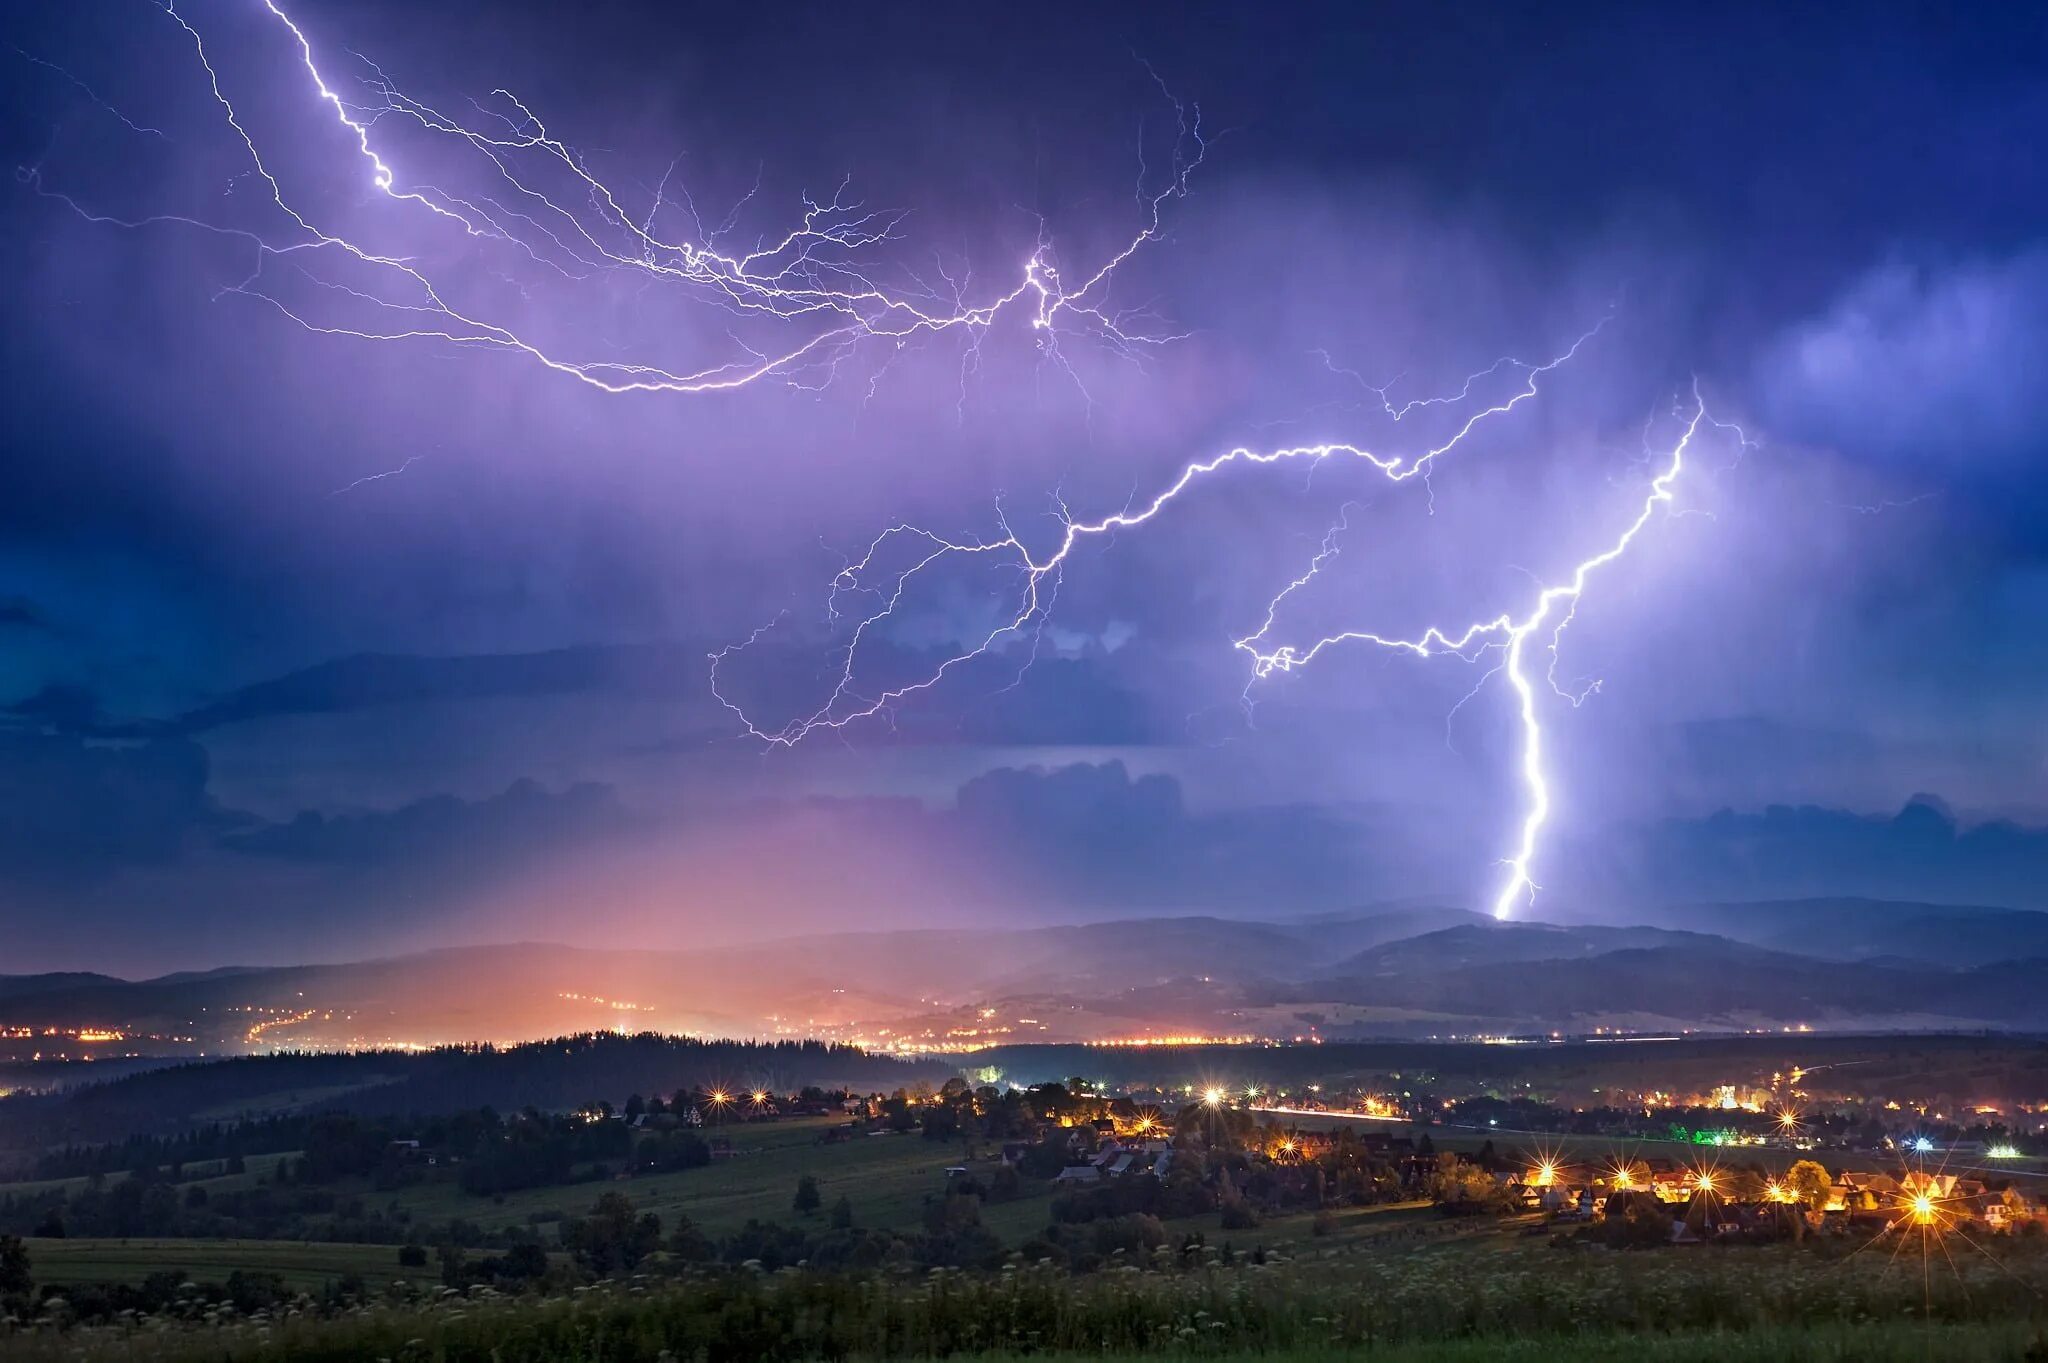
(1544, 620)
(807, 287)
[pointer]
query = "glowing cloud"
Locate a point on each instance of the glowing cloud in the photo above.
(1511, 632)
(808, 286)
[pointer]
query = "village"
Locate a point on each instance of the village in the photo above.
(1206, 1149)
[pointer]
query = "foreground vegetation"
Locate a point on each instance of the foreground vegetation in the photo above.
(1051, 1222)
(1463, 1300)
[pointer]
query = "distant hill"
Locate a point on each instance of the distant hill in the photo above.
(1688, 979)
(553, 1077)
(1401, 970)
(1862, 929)
(1493, 943)
(56, 982)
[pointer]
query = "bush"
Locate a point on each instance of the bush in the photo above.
(1045, 1159)
(15, 1278)
(689, 1244)
(612, 1239)
(1005, 1184)
(1642, 1226)
(1239, 1216)
(1039, 1250)
(772, 1246)
(1134, 1234)
(412, 1256)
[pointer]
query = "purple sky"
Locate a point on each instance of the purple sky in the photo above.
(317, 646)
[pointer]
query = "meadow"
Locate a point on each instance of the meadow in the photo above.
(887, 1179)
(1398, 1281)
(304, 1265)
(1485, 1298)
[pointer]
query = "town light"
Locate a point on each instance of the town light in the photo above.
(1212, 1096)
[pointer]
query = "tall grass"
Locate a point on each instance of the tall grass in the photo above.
(1435, 1307)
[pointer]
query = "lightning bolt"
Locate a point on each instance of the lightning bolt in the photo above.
(92, 95)
(355, 483)
(808, 289)
(807, 285)
(1540, 624)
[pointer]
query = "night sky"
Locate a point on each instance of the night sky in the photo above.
(318, 647)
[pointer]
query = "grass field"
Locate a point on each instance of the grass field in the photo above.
(886, 1178)
(1515, 1304)
(1867, 1344)
(256, 1168)
(301, 1264)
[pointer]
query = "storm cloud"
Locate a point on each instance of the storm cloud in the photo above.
(308, 640)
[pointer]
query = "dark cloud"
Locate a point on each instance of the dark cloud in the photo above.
(1923, 852)
(523, 821)
(63, 706)
(1095, 835)
(1935, 363)
(367, 681)
(248, 566)
(72, 810)
(18, 612)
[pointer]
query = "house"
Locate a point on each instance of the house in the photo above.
(1855, 1192)
(1566, 1202)
(2011, 1209)
(1622, 1200)
(1079, 1173)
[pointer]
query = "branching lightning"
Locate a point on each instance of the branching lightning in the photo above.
(807, 287)
(1537, 626)
(812, 297)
